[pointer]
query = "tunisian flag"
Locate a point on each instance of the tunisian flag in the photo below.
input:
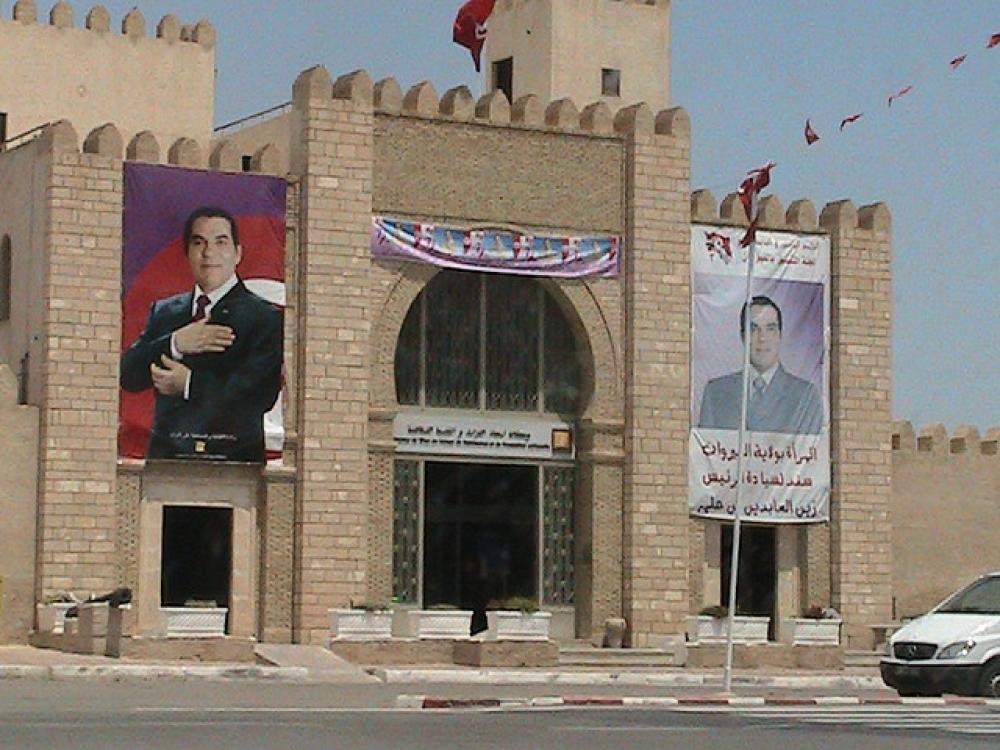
(470, 26)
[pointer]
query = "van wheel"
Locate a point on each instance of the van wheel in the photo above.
(989, 680)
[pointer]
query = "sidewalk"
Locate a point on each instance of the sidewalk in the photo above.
(314, 664)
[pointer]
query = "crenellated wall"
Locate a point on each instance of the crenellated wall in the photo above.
(945, 512)
(89, 73)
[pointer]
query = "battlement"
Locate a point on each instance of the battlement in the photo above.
(133, 25)
(458, 105)
(108, 141)
(93, 71)
(933, 440)
(800, 217)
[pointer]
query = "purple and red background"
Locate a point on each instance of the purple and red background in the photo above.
(158, 199)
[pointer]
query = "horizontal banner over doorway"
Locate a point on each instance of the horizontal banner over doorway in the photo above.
(497, 251)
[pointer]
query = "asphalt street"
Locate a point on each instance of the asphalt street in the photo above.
(250, 715)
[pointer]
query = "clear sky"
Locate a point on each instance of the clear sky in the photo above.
(749, 72)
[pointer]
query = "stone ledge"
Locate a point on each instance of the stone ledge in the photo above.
(766, 655)
(506, 653)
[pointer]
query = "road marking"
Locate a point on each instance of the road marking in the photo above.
(632, 729)
(954, 719)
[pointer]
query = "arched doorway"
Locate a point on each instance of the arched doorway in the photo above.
(488, 376)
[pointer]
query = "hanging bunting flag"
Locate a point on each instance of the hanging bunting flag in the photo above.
(755, 181)
(852, 118)
(901, 93)
(957, 62)
(811, 135)
(993, 42)
(470, 27)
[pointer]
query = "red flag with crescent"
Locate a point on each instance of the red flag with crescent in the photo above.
(993, 42)
(899, 94)
(851, 118)
(755, 181)
(811, 135)
(470, 27)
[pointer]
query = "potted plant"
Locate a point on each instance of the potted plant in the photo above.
(516, 618)
(437, 622)
(198, 617)
(711, 623)
(817, 626)
(362, 621)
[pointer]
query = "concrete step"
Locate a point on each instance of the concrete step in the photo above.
(614, 658)
(862, 658)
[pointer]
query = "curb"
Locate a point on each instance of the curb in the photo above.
(707, 701)
(153, 672)
(674, 680)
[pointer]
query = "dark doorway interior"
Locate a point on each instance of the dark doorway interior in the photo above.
(480, 534)
(197, 559)
(758, 572)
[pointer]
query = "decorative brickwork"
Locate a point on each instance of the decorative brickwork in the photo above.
(128, 495)
(487, 174)
(380, 532)
(277, 558)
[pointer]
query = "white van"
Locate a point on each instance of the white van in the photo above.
(954, 648)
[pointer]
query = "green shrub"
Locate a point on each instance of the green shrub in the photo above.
(715, 610)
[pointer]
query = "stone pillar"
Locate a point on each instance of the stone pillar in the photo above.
(598, 543)
(860, 359)
(334, 160)
(788, 602)
(656, 283)
(82, 335)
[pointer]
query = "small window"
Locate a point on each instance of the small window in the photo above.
(503, 77)
(5, 274)
(247, 162)
(3, 129)
(611, 82)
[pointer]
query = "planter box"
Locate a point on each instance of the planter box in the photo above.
(52, 617)
(360, 624)
(512, 625)
(438, 624)
(746, 629)
(805, 631)
(188, 621)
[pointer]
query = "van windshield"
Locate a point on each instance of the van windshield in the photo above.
(981, 598)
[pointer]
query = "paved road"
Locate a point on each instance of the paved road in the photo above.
(248, 716)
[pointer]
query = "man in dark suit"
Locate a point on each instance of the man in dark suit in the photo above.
(213, 355)
(779, 401)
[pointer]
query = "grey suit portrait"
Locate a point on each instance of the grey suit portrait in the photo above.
(786, 404)
(789, 404)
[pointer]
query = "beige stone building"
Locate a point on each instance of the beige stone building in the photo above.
(594, 528)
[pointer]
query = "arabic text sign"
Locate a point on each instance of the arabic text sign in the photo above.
(495, 437)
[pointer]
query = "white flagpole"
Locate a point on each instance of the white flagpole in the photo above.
(727, 679)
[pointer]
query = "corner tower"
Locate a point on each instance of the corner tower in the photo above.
(614, 50)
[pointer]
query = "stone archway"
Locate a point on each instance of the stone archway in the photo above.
(592, 311)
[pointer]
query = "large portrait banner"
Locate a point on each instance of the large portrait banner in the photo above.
(786, 450)
(203, 298)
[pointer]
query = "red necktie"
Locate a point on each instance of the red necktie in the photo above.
(201, 304)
